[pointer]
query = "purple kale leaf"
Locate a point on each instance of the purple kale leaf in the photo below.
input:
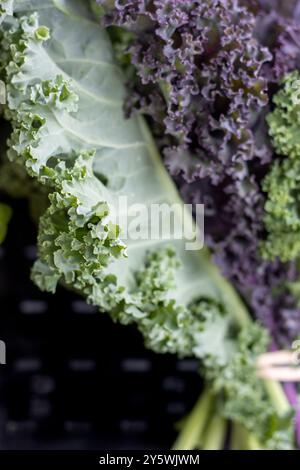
(205, 72)
(199, 70)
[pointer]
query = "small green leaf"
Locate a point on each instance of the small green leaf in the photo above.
(42, 33)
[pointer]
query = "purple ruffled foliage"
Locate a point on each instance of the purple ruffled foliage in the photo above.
(199, 60)
(233, 229)
(206, 72)
(278, 29)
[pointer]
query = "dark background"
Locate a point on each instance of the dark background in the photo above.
(73, 378)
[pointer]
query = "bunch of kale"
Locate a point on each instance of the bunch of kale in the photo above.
(205, 73)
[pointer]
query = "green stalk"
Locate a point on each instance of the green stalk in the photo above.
(215, 434)
(277, 396)
(241, 439)
(194, 425)
(253, 443)
(5, 216)
(237, 438)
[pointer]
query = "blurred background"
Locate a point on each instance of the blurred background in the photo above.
(73, 378)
